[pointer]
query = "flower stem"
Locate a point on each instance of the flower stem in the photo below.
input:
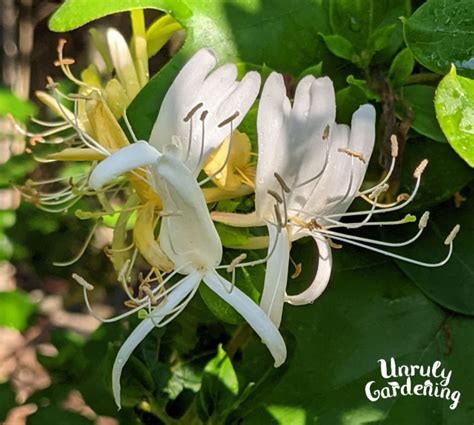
(240, 338)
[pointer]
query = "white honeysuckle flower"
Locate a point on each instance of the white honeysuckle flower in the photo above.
(309, 171)
(202, 107)
(190, 240)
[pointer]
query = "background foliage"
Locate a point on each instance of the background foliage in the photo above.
(392, 53)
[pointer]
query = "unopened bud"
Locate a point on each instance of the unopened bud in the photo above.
(452, 235)
(420, 169)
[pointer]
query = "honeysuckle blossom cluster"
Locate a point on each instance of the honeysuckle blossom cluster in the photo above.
(308, 172)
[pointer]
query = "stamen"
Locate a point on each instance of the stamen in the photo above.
(237, 260)
(129, 126)
(283, 185)
(229, 120)
(449, 240)
(193, 110)
(204, 115)
(81, 281)
(424, 220)
(326, 132)
(378, 191)
(276, 196)
(420, 169)
(396, 256)
(353, 153)
(280, 221)
(394, 145)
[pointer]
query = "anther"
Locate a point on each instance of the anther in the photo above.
(61, 43)
(81, 281)
(64, 61)
(278, 216)
(424, 220)
(235, 262)
(378, 191)
(420, 169)
(204, 115)
(452, 235)
(326, 132)
(403, 197)
(229, 120)
(51, 84)
(276, 196)
(353, 153)
(394, 145)
(283, 185)
(192, 112)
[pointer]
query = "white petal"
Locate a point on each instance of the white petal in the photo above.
(188, 235)
(123, 62)
(291, 141)
(183, 288)
(333, 185)
(221, 95)
(252, 313)
(276, 275)
(273, 114)
(362, 138)
(322, 277)
(136, 155)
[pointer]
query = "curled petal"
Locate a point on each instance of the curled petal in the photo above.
(136, 155)
(187, 234)
(251, 312)
(145, 241)
(183, 288)
(322, 277)
(276, 276)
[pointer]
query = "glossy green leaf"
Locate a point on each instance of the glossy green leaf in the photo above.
(420, 100)
(367, 26)
(231, 29)
(451, 285)
(401, 67)
(219, 389)
(445, 174)
(370, 311)
(454, 104)
(341, 47)
(16, 310)
(348, 100)
(439, 33)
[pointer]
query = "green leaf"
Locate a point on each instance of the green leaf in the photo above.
(440, 33)
(454, 103)
(16, 310)
(73, 14)
(7, 400)
(451, 285)
(401, 67)
(348, 100)
(369, 311)
(220, 388)
(10, 104)
(420, 99)
(369, 26)
(340, 46)
(445, 174)
(56, 415)
(231, 28)
(233, 237)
